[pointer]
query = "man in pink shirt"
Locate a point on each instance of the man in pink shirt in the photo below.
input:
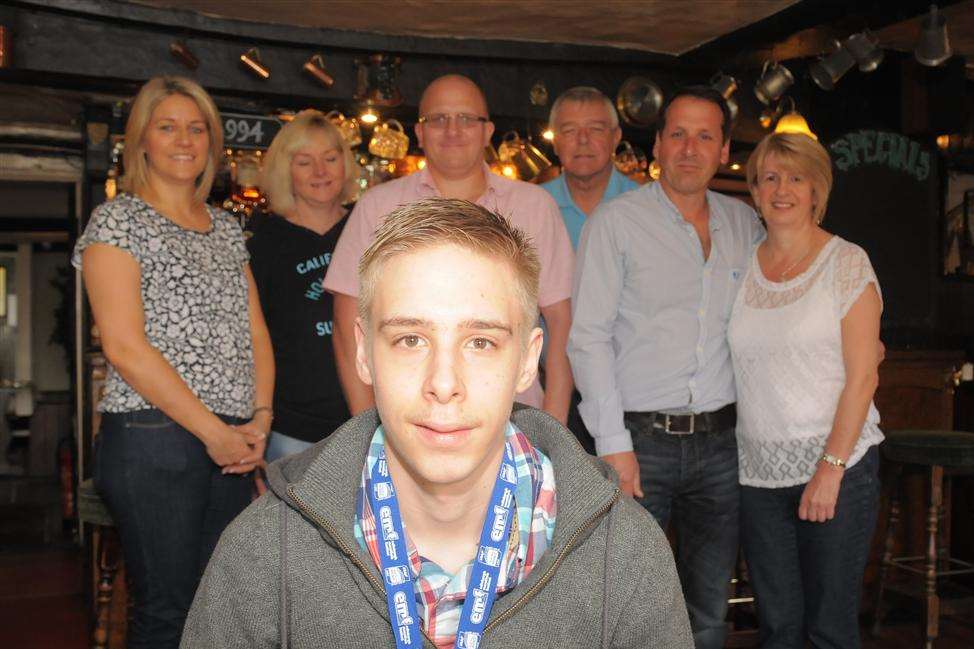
(453, 130)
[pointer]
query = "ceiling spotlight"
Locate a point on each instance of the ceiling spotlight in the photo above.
(865, 48)
(548, 134)
(315, 66)
(933, 46)
(369, 116)
(735, 166)
(775, 80)
(793, 122)
(251, 58)
(829, 69)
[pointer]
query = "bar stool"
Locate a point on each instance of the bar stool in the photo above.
(92, 511)
(940, 454)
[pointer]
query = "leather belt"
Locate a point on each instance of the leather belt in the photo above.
(702, 422)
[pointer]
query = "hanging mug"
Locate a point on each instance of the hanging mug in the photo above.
(509, 147)
(347, 126)
(625, 159)
(389, 141)
(530, 161)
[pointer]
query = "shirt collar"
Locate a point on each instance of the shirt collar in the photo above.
(716, 211)
(428, 186)
(563, 195)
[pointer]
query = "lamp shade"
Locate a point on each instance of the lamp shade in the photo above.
(793, 122)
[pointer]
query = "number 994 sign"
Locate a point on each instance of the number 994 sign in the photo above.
(248, 131)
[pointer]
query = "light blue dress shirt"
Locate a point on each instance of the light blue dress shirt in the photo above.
(650, 314)
(571, 214)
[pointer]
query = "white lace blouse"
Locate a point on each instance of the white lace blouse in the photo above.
(786, 344)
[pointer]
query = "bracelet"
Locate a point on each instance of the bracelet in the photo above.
(828, 458)
(269, 410)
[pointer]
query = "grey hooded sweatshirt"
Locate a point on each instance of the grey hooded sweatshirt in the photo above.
(289, 573)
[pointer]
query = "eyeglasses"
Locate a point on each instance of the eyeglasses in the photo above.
(462, 120)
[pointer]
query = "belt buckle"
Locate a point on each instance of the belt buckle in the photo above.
(666, 426)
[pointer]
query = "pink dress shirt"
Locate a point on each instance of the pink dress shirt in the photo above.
(528, 207)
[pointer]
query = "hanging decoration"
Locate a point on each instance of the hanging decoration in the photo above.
(639, 101)
(348, 127)
(315, 67)
(389, 141)
(377, 78)
(182, 54)
(539, 94)
(251, 59)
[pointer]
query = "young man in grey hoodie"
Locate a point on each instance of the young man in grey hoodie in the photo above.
(442, 519)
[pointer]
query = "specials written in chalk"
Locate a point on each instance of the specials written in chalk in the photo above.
(891, 150)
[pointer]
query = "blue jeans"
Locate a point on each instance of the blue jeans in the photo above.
(170, 503)
(279, 445)
(693, 478)
(807, 577)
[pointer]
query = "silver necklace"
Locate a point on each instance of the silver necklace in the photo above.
(785, 272)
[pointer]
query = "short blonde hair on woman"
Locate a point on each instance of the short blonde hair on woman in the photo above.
(275, 175)
(801, 154)
(150, 96)
(446, 221)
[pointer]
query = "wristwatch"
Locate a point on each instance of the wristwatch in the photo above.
(828, 458)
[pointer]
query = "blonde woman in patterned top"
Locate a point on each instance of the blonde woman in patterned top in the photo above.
(804, 338)
(185, 412)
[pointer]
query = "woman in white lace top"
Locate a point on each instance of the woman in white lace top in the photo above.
(804, 337)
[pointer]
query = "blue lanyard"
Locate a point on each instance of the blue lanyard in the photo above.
(394, 558)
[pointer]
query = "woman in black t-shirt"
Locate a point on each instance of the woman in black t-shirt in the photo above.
(308, 173)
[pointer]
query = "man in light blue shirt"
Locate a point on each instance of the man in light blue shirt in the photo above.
(586, 128)
(656, 276)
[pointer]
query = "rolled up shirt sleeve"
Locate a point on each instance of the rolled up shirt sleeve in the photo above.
(596, 293)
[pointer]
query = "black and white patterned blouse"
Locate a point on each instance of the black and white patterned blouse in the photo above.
(194, 297)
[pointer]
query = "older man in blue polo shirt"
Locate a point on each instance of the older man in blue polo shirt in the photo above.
(586, 128)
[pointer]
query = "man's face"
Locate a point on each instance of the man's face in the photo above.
(454, 150)
(585, 139)
(691, 148)
(444, 349)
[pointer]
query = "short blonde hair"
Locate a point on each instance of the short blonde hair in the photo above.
(150, 96)
(275, 175)
(447, 221)
(804, 155)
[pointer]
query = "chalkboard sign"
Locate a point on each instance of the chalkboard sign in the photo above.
(886, 198)
(248, 131)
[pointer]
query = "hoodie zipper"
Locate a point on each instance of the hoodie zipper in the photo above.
(313, 515)
(554, 566)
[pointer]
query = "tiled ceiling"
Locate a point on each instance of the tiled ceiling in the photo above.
(659, 26)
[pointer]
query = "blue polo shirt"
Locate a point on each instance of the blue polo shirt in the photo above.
(573, 216)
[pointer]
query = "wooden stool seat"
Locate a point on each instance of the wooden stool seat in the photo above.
(947, 448)
(93, 511)
(939, 454)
